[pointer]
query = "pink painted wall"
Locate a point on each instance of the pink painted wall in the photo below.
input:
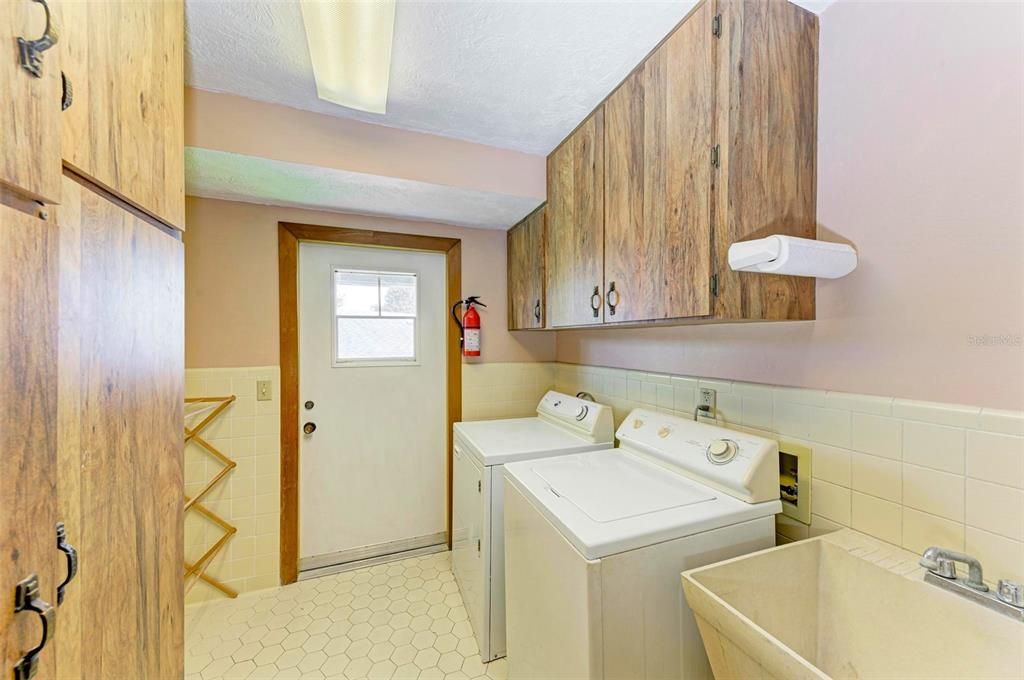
(231, 289)
(921, 168)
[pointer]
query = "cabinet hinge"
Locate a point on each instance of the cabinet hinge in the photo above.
(716, 152)
(714, 285)
(716, 26)
(478, 545)
(479, 486)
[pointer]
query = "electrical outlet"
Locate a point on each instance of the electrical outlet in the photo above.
(707, 398)
(263, 390)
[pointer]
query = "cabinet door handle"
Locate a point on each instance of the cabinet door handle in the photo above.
(30, 52)
(71, 555)
(67, 92)
(536, 310)
(26, 599)
(608, 299)
(595, 300)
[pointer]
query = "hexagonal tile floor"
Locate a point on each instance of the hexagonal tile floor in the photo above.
(403, 619)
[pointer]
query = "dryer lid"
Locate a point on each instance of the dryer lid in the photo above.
(610, 488)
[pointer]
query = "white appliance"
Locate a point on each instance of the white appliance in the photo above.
(563, 425)
(595, 543)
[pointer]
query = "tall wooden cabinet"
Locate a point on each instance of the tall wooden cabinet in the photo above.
(120, 439)
(28, 432)
(91, 331)
(526, 272)
(709, 141)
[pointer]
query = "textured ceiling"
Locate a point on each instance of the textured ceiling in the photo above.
(512, 74)
(515, 74)
(233, 177)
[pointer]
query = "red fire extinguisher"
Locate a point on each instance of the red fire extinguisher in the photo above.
(469, 325)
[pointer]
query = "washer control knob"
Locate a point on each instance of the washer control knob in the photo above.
(721, 451)
(582, 412)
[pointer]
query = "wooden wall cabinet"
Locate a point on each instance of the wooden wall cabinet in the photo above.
(574, 243)
(658, 125)
(125, 129)
(526, 273)
(709, 141)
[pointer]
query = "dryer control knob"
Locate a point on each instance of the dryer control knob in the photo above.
(582, 412)
(721, 451)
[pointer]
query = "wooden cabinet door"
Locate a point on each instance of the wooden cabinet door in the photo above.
(121, 440)
(28, 434)
(575, 223)
(526, 273)
(767, 128)
(29, 107)
(125, 129)
(658, 139)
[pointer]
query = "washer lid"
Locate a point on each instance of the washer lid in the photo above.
(609, 488)
(495, 442)
(611, 501)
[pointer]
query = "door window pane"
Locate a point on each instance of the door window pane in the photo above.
(361, 339)
(397, 295)
(356, 293)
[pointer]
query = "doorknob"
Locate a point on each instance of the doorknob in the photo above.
(26, 598)
(71, 554)
(309, 428)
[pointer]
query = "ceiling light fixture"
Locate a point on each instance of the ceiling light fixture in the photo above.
(350, 47)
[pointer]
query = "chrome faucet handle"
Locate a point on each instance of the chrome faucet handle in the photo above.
(1011, 593)
(945, 568)
(935, 560)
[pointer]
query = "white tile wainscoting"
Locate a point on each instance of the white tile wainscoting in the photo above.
(249, 497)
(911, 473)
(504, 390)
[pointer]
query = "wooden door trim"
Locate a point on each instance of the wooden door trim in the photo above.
(289, 235)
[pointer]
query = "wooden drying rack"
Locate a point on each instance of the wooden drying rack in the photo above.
(195, 572)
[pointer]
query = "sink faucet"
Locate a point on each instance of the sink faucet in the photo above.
(942, 561)
(1008, 598)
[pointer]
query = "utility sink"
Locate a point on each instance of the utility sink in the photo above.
(844, 605)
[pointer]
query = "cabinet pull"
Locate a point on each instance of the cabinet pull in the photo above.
(67, 93)
(26, 598)
(30, 52)
(608, 299)
(595, 300)
(71, 555)
(536, 310)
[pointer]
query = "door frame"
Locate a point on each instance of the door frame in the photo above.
(289, 235)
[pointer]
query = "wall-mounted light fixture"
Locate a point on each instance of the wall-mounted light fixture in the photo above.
(350, 47)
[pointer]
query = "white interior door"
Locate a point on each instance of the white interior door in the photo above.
(372, 362)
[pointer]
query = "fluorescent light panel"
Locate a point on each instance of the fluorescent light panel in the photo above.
(350, 46)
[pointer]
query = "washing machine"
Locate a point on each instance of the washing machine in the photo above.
(595, 543)
(563, 425)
